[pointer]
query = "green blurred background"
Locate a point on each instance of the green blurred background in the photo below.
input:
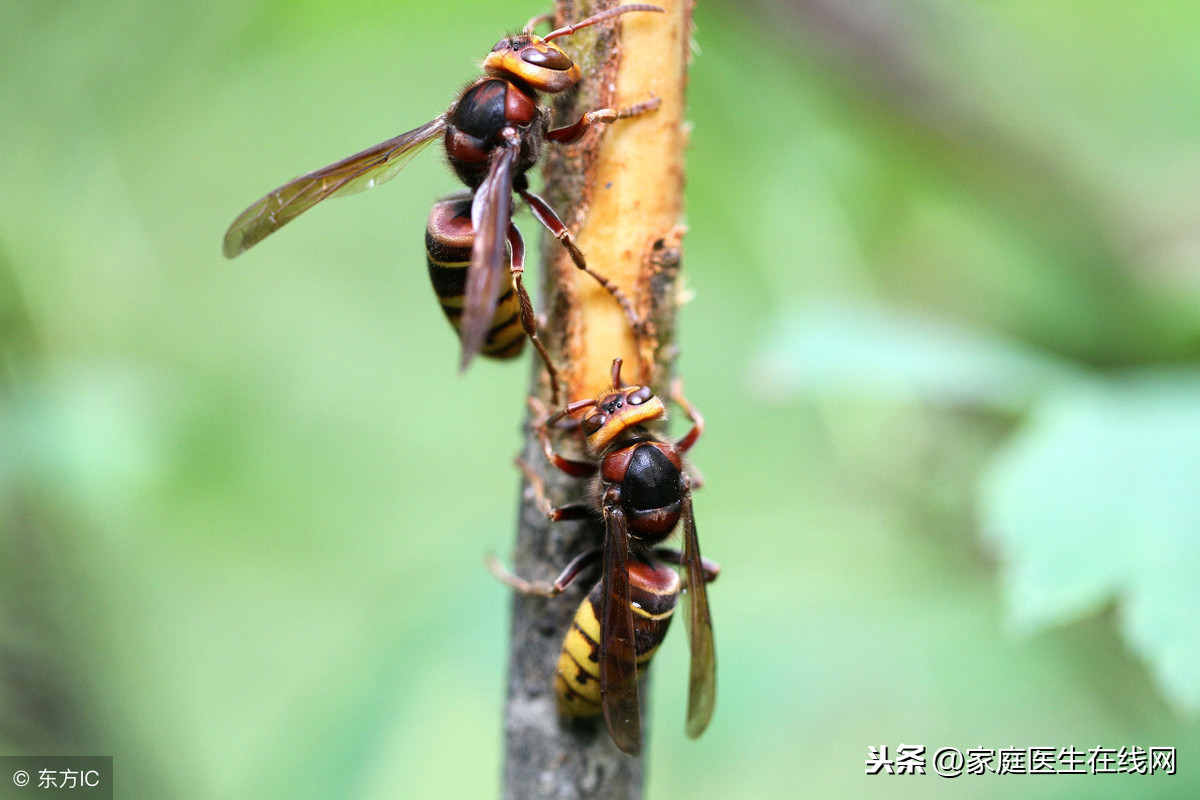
(946, 267)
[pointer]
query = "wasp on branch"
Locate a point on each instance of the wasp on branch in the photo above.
(641, 489)
(493, 134)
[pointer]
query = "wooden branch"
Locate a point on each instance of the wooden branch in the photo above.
(620, 192)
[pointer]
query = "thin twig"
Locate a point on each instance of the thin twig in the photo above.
(620, 192)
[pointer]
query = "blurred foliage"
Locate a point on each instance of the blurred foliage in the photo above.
(945, 329)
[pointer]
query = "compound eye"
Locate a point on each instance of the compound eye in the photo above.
(503, 44)
(593, 423)
(548, 59)
(640, 396)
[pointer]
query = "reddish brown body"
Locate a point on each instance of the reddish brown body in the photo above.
(448, 241)
(649, 476)
(494, 133)
(642, 491)
(475, 122)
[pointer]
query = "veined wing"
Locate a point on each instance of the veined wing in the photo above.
(491, 212)
(360, 171)
(618, 656)
(702, 682)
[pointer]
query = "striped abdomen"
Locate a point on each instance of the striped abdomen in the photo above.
(448, 240)
(653, 590)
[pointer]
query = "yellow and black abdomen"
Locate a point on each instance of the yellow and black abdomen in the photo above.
(653, 592)
(448, 240)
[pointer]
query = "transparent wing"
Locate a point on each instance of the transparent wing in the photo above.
(360, 171)
(702, 682)
(618, 658)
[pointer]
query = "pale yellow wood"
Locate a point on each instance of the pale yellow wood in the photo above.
(636, 192)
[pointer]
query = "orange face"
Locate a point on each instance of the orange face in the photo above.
(535, 61)
(618, 411)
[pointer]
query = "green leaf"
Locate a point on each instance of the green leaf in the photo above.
(1095, 500)
(857, 346)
